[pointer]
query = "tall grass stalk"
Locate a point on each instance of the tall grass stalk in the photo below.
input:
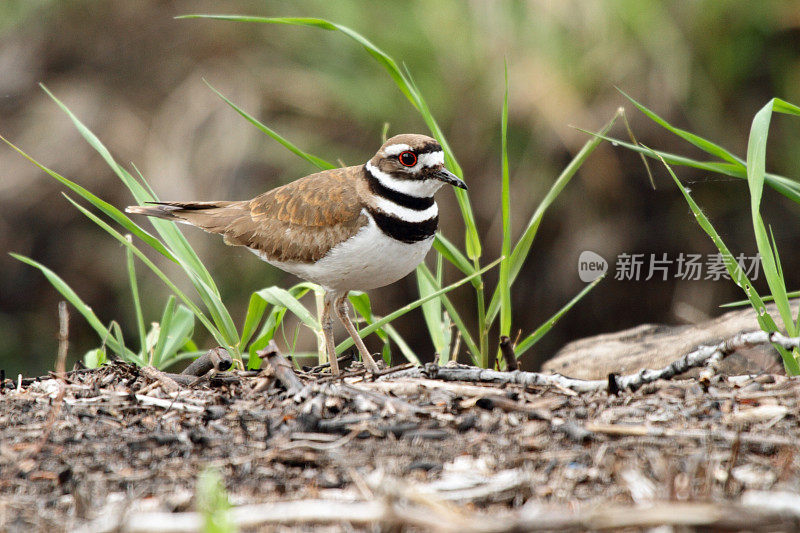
(753, 169)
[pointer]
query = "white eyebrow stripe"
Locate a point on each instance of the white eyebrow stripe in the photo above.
(394, 149)
(431, 159)
(404, 213)
(411, 187)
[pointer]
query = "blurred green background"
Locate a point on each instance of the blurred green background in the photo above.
(134, 75)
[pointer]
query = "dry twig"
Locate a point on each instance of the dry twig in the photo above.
(282, 367)
(698, 358)
(61, 362)
(166, 382)
(431, 515)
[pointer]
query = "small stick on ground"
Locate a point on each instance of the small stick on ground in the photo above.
(508, 353)
(61, 363)
(429, 514)
(667, 434)
(167, 383)
(282, 367)
(700, 357)
(215, 359)
(341, 360)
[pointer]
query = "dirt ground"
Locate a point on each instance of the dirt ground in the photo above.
(119, 449)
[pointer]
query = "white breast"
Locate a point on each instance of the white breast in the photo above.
(367, 260)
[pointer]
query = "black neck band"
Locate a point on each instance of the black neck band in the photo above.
(402, 199)
(408, 232)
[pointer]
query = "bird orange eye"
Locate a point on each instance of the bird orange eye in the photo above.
(407, 158)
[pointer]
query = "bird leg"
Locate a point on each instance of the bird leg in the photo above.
(343, 313)
(327, 330)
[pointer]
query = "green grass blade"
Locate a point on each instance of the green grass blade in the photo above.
(523, 246)
(704, 144)
(137, 304)
(282, 297)
(785, 186)
(314, 160)
(432, 313)
(456, 318)
(102, 205)
(756, 170)
(164, 325)
(180, 329)
(174, 239)
(177, 243)
(764, 319)
(450, 252)
(413, 305)
(118, 337)
(363, 306)
(209, 294)
(740, 303)
(792, 329)
(272, 322)
(217, 334)
(267, 333)
(72, 297)
(255, 312)
(504, 283)
(526, 343)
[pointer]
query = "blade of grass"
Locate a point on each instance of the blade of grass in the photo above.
(413, 305)
(255, 312)
(267, 333)
(785, 186)
(526, 343)
(756, 170)
(282, 297)
(456, 318)
(314, 160)
(163, 277)
(704, 144)
(177, 243)
(767, 298)
(432, 313)
(181, 328)
(111, 211)
(272, 322)
(504, 283)
(137, 305)
(453, 254)
(363, 305)
(523, 246)
(174, 239)
(163, 330)
(72, 297)
(117, 334)
(209, 294)
(737, 274)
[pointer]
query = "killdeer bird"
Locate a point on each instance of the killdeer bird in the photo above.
(354, 228)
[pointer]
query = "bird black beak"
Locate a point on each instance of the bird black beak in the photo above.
(448, 177)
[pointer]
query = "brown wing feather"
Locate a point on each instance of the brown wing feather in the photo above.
(300, 221)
